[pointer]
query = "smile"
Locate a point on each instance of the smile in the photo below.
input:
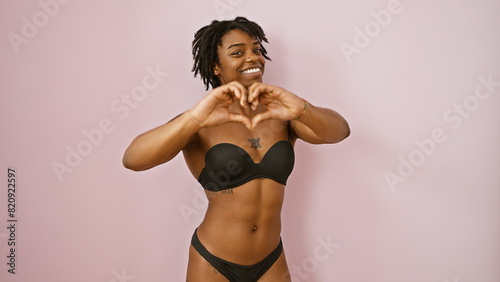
(254, 70)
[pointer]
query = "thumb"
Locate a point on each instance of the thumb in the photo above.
(241, 119)
(258, 118)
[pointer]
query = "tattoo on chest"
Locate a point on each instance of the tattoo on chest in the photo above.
(255, 143)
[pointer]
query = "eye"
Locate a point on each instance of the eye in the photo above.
(258, 51)
(237, 53)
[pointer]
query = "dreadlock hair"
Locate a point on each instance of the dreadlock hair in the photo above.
(207, 40)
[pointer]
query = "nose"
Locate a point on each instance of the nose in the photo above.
(251, 58)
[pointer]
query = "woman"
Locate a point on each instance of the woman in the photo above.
(238, 142)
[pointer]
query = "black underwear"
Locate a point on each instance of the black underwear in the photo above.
(236, 272)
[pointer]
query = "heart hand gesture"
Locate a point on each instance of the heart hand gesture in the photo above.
(279, 103)
(213, 109)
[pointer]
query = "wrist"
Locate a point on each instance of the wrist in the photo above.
(194, 119)
(304, 110)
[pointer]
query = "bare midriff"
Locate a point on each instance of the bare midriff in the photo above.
(243, 225)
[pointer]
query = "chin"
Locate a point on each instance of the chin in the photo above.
(247, 83)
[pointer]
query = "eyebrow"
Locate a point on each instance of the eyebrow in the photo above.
(241, 44)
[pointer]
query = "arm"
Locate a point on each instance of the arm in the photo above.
(163, 143)
(320, 125)
(316, 125)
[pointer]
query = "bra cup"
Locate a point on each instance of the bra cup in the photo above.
(281, 160)
(228, 165)
(228, 158)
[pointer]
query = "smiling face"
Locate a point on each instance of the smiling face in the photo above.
(240, 59)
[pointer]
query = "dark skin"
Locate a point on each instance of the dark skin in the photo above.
(242, 225)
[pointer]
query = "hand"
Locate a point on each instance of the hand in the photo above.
(213, 109)
(280, 104)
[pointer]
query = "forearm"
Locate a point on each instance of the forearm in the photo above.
(321, 125)
(160, 144)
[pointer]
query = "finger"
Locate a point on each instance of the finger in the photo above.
(258, 118)
(255, 104)
(241, 119)
(261, 89)
(234, 91)
(254, 93)
(250, 91)
(243, 98)
(227, 93)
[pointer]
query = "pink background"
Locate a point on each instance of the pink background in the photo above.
(101, 222)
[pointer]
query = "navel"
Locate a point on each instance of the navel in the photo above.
(254, 228)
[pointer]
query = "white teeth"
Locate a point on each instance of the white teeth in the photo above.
(252, 70)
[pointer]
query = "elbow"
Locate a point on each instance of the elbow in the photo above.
(341, 134)
(340, 128)
(129, 163)
(347, 131)
(138, 162)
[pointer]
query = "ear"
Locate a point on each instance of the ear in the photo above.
(216, 69)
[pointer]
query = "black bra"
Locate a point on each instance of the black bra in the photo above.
(228, 166)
